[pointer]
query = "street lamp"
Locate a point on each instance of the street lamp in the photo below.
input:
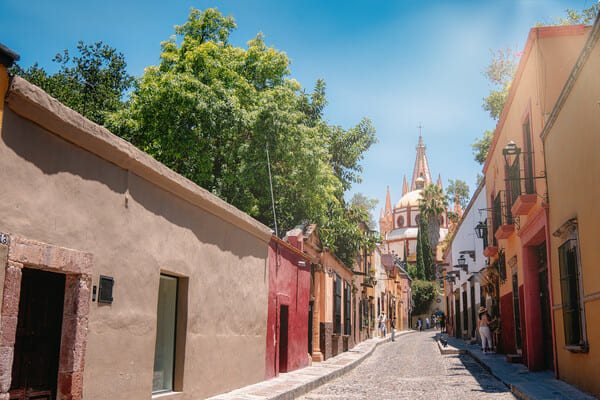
(481, 230)
(510, 150)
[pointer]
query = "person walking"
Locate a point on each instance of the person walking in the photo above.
(484, 331)
(393, 328)
(443, 323)
(382, 321)
(427, 322)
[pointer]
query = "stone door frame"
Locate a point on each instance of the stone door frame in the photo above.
(77, 268)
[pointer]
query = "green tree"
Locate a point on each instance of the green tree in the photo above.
(360, 200)
(423, 294)
(341, 233)
(432, 205)
(210, 111)
(458, 191)
(482, 146)
(425, 259)
(586, 17)
(92, 82)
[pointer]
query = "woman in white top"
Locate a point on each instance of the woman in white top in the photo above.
(382, 320)
(484, 330)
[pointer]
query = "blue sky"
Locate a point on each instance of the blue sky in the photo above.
(396, 62)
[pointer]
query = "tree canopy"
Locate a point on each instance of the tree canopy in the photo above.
(92, 82)
(360, 200)
(458, 191)
(211, 110)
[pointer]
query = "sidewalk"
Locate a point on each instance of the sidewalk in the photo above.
(296, 383)
(522, 383)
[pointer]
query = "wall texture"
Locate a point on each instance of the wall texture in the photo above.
(572, 146)
(71, 183)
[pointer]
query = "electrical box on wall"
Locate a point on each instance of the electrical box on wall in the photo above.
(105, 289)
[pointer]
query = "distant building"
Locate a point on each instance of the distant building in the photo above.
(399, 225)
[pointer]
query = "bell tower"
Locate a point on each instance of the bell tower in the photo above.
(421, 169)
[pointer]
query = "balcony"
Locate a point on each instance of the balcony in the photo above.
(502, 220)
(520, 185)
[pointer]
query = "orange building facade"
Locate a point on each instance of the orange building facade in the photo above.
(518, 225)
(571, 148)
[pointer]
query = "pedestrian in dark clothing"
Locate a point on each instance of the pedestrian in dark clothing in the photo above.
(443, 323)
(393, 328)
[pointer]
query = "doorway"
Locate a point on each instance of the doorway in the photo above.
(38, 336)
(283, 339)
(517, 311)
(545, 307)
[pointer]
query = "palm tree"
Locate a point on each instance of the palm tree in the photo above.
(433, 204)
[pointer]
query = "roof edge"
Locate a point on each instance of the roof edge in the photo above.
(31, 102)
(589, 45)
(534, 35)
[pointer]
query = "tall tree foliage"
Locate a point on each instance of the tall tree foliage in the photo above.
(458, 191)
(432, 205)
(92, 82)
(360, 200)
(425, 258)
(340, 232)
(210, 110)
(573, 17)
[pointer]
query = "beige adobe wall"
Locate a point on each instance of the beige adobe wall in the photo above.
(137, 225)
(572, 151)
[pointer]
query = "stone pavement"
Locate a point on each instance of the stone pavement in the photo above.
(522, 383)
(413, 368)
(296, 383)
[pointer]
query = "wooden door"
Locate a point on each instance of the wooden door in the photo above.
(37, 344)
(545, 308)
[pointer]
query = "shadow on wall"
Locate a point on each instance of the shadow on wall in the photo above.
(54, 155)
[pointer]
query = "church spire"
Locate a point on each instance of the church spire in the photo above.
(439, 182)
(404, 187)
(388, 202)
(421, 169)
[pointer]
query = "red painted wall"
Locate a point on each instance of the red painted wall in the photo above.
(507, 337)
(289, 285)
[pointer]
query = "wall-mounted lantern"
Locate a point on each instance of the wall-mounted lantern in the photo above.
(481, 230)
(509, 151)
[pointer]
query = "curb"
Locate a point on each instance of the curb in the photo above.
(296, 388)
(516, 388)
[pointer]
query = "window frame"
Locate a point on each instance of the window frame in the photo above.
(569, 236)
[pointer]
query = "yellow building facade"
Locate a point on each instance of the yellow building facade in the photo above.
(517, 198)
(571, 140)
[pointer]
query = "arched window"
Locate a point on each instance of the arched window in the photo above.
(400, 221)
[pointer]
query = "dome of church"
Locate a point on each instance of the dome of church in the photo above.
(410, 199)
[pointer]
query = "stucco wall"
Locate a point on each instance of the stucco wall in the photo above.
(572, 148)
(289, 285)
(59, 193)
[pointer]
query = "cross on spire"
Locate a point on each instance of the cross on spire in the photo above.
(420, 127)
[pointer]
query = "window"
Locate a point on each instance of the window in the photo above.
(569, 287)
(347, 308)
(337, 305)
(166, 324)
(400, 221)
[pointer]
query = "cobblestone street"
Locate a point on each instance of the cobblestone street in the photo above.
(413, 368)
